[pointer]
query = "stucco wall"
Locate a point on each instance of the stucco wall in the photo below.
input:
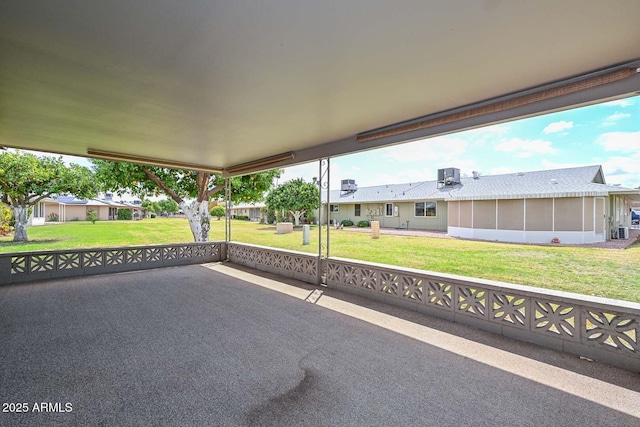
(405, 212)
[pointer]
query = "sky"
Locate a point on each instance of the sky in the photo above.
(606, 134)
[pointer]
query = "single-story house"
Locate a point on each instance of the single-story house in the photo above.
(70, 208)
(251, 210)
(573, 205)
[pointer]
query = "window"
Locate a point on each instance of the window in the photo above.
(388, 209)
(430, 208)
(335, 209)
(425, 208)
(38, 210)
(357, 212)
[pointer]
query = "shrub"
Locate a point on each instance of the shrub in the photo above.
(311, 218)
(124, 214)
(346, 223)
(271, 217)
(242, 217)
(6, 215)
(152, 215)
(53, 217)
(363, 223)
(92, 216)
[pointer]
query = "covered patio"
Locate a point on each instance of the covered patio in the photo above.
(234, 88)
(219, 344)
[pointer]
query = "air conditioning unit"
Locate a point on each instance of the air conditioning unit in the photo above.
(348, 185)
(623, 232)
(449, 176)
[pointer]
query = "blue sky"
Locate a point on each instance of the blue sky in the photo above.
(606, 134)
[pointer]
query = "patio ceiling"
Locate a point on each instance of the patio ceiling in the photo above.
(221, 83)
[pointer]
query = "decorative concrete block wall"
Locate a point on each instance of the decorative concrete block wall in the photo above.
(601, 329)
(28, 266)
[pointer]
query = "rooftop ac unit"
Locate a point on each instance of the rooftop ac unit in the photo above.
(348, 185)
(449, 176)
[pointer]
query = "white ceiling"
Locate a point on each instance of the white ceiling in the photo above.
(220, 83)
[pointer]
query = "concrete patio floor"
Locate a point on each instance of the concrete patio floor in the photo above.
(223, 345)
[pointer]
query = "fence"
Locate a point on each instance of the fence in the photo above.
(27, 266)
(598, 328)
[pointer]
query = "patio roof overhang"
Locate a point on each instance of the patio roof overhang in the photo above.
(238, 87)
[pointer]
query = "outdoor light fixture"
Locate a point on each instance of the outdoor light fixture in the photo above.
(262, 163)
(106, 155)
(505, 103)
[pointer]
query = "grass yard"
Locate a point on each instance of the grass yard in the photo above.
(600, 272)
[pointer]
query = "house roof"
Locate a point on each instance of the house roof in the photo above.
(248, 205)
(568, 182)
(72, 200)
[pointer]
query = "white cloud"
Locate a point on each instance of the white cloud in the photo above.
(622, 170)
(614, 118)
(525, 148)
(547, 164)
(622, 103)
(626, 142)
(81, 161)
(442, 148)
(557, 127)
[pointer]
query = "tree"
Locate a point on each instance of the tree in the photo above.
(217, 211)
(191, 190)
(26, 179)
(168, 206)
(150, 206)
(296, 197)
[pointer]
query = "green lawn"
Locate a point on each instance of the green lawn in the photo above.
(600, 272)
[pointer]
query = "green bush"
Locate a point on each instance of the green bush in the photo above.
(92, 216)
(311, 218)
(53, 217)
(242, 217)
(346, 223)
(363, 223)
(152, 215)
(124, 214)
(271, 217)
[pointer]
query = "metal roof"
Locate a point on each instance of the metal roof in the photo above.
(568, 182)
(220, 83)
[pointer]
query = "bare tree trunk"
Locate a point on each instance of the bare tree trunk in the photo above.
(20, 231)
(198, 216)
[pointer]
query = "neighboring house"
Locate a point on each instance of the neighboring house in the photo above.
(69, 208)
(251, 210)
(574, 205)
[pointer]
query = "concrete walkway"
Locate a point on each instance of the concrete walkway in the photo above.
(223, 345)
